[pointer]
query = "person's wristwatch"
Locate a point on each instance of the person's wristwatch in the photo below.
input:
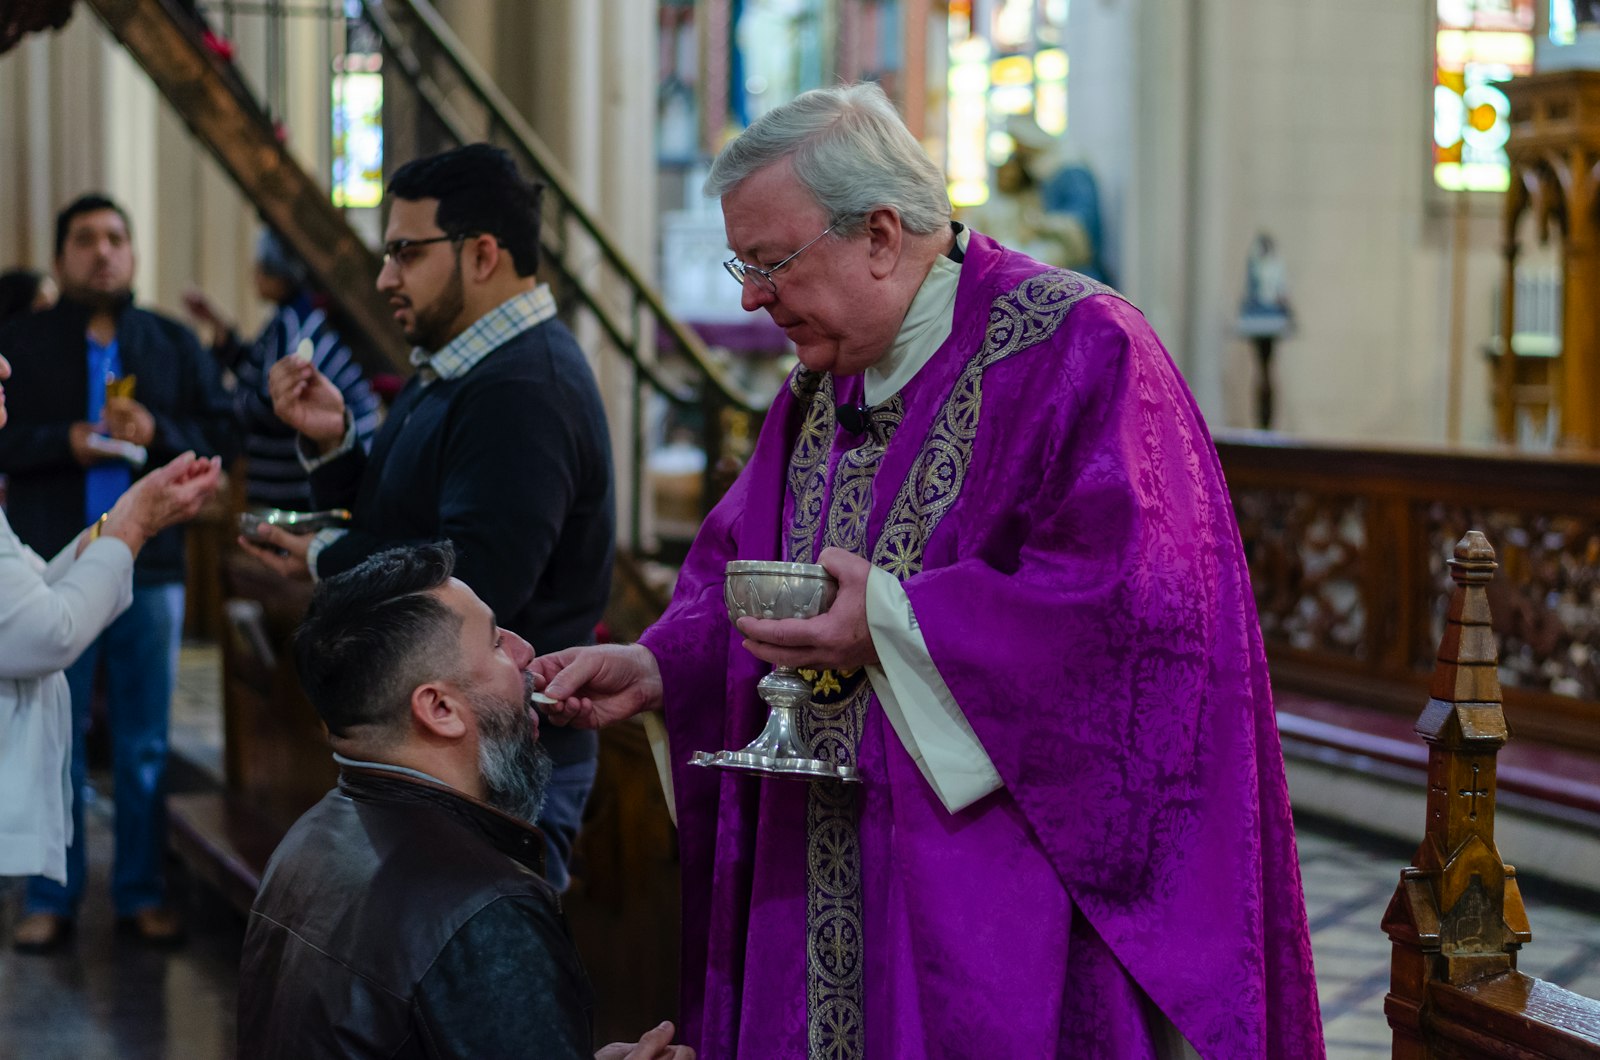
(99, 526)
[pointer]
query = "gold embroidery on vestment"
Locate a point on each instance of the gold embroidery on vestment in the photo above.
(808, 462)
(831, 726)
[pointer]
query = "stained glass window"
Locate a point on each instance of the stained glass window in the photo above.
(357, 119)
(1564, 21)
(1478, 44)
(1007, 60)
(358, 131)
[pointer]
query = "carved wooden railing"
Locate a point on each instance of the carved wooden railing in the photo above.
(1346, 547)
(1457, 920)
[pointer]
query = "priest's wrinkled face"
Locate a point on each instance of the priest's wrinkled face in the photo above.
(829, 297)
(95, 264)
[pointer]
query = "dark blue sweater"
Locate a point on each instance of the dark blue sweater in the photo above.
(511, 463)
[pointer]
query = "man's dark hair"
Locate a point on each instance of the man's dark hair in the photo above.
(479, 191)
(93, 202)
(373, 634)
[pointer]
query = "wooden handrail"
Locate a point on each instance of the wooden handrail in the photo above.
(504, 115)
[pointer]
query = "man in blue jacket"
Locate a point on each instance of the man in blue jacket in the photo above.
(107, 389)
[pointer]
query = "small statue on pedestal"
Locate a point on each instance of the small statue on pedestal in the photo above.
(1265, 315)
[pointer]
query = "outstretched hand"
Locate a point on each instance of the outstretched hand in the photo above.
(171, 494)
(837, 639)
(599, 685)
(205, 313)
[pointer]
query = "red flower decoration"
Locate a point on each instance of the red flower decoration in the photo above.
(221, 47)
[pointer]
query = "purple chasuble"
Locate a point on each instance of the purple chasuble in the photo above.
(1047, 493)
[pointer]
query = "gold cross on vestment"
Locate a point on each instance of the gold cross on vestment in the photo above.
(840, 951)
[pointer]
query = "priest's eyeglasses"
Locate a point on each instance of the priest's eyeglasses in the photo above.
(762, 278)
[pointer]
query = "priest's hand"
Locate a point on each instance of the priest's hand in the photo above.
(837, 639)
(657, 1045)
(599, 685)
(280, 550)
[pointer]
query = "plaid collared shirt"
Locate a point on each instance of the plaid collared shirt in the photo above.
(463, 353)
(488, 333)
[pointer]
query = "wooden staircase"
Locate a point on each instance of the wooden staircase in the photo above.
(208, 94)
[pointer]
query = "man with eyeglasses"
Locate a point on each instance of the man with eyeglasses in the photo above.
(497, 443)
(1071, 835)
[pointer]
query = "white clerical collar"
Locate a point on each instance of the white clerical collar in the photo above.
(928, 323)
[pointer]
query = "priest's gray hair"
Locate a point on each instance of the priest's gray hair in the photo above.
(850, 150)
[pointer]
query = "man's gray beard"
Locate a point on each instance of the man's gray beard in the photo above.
(514, 768)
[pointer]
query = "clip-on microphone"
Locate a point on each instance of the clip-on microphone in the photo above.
(853, 418)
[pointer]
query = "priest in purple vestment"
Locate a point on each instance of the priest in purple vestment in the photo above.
(1072, 837)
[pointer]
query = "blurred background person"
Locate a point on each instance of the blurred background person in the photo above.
(49, 613)
(274, 476)
(1047, 202)
(102, 390)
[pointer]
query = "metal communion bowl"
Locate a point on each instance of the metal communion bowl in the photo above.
(294, 522)
(770, 589)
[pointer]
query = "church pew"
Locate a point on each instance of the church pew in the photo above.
(1457, 921)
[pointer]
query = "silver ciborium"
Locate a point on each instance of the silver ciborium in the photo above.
(765, 589)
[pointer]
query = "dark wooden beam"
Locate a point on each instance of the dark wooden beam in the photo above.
(210, 98)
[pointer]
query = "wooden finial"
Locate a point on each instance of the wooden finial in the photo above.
(1474, 560)
(1467, 667)
(1457, 914)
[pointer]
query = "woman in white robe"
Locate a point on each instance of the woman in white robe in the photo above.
(49, 613)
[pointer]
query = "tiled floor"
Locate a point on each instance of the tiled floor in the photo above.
(107, 998)
(1348, 882)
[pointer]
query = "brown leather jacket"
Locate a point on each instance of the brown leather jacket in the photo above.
(400, 918)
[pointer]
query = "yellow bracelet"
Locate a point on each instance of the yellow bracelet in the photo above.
(99, 525)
